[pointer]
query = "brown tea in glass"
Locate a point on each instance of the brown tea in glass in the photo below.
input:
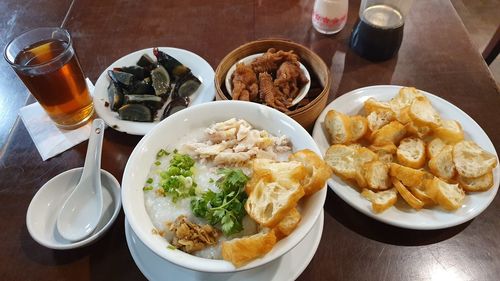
(50, 69)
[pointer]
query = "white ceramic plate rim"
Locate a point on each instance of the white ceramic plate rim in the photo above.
(426, 219)
(249, 59)
(301, 255)
(136, 171)
(200, 68)
(81, 243)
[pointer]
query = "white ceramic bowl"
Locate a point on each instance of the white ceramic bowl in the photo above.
(200, 68)
(248, 60)
(45, 206)
(168, 132)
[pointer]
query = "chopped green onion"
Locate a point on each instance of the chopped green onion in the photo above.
(162, 152)
(177, 180)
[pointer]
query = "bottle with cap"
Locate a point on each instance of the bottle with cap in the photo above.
(329, 16)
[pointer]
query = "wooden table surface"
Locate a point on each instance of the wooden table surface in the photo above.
(436, 56)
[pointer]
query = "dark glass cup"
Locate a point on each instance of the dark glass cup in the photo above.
(378, 33)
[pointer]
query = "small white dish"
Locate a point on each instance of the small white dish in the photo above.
(248, 60)
(288, 267)
(199, 67)
(45, 206)
(433, 218)
(183, 123)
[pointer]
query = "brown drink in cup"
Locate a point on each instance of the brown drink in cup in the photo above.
(46, 62)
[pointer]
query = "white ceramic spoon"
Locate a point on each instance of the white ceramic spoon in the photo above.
(82, 211)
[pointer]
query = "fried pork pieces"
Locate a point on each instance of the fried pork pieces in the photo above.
(276, 92)
(271, 60)
(245, 85)
(289, 79)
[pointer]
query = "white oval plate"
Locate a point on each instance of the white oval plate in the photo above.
(200, 68)
(249, 59)
(288, 267)
(433, 218)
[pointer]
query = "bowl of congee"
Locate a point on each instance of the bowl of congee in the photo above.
(224, 186)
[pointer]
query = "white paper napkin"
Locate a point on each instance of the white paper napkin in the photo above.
(49, 139)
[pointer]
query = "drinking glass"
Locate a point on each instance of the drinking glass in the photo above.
(46, 62)
(378, 33)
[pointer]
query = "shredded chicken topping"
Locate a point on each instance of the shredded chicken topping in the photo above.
(191, 237)
(235, 141)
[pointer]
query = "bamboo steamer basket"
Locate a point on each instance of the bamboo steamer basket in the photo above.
(305, 115)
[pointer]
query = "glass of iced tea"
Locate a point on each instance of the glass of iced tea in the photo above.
(45, 60)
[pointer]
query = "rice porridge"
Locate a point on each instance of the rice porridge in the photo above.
(187, 180)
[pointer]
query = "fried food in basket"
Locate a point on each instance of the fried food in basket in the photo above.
(289, 79)
(274, 79)
(272, 59)
(271, 95)
(245, 85)
(418, 155)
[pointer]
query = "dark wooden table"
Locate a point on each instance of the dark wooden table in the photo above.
(436, 56)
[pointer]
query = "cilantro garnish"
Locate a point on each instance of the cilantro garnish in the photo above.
(226, 207)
